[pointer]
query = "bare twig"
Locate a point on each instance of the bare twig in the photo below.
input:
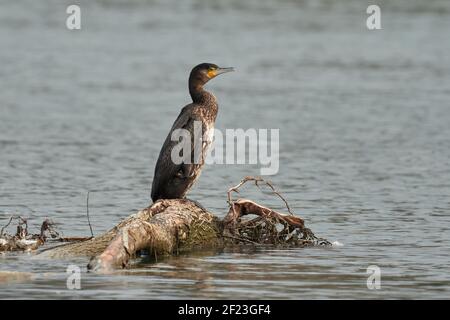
(6, 226)
(87, 213)
(23, 221)
(256, 180)
(73, 239)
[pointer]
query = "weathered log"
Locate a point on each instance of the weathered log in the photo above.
(170, 226)
(182, 224)
(165, 226)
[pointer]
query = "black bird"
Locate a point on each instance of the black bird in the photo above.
(173, 180)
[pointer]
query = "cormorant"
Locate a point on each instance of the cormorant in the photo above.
(171, 180)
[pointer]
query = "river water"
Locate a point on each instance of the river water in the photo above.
(364, 119)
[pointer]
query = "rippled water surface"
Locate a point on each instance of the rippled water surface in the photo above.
(364, 119)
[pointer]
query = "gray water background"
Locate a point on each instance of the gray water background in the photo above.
(364, 119)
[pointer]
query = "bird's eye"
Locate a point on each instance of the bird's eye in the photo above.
(211, 72)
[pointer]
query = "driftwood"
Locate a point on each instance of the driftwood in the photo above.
(165, 227)
(172, 226)
(270, 227)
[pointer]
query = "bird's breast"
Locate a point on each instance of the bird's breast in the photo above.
(209, 135)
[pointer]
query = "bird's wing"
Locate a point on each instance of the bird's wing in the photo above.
(183, 118)
(166, 169)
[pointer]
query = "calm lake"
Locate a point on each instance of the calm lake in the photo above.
(364, 119)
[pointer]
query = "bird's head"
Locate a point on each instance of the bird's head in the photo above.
(204, 72)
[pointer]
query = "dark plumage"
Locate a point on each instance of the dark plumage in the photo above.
(173, 181)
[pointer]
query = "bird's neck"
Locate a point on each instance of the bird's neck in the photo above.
(200, 95)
